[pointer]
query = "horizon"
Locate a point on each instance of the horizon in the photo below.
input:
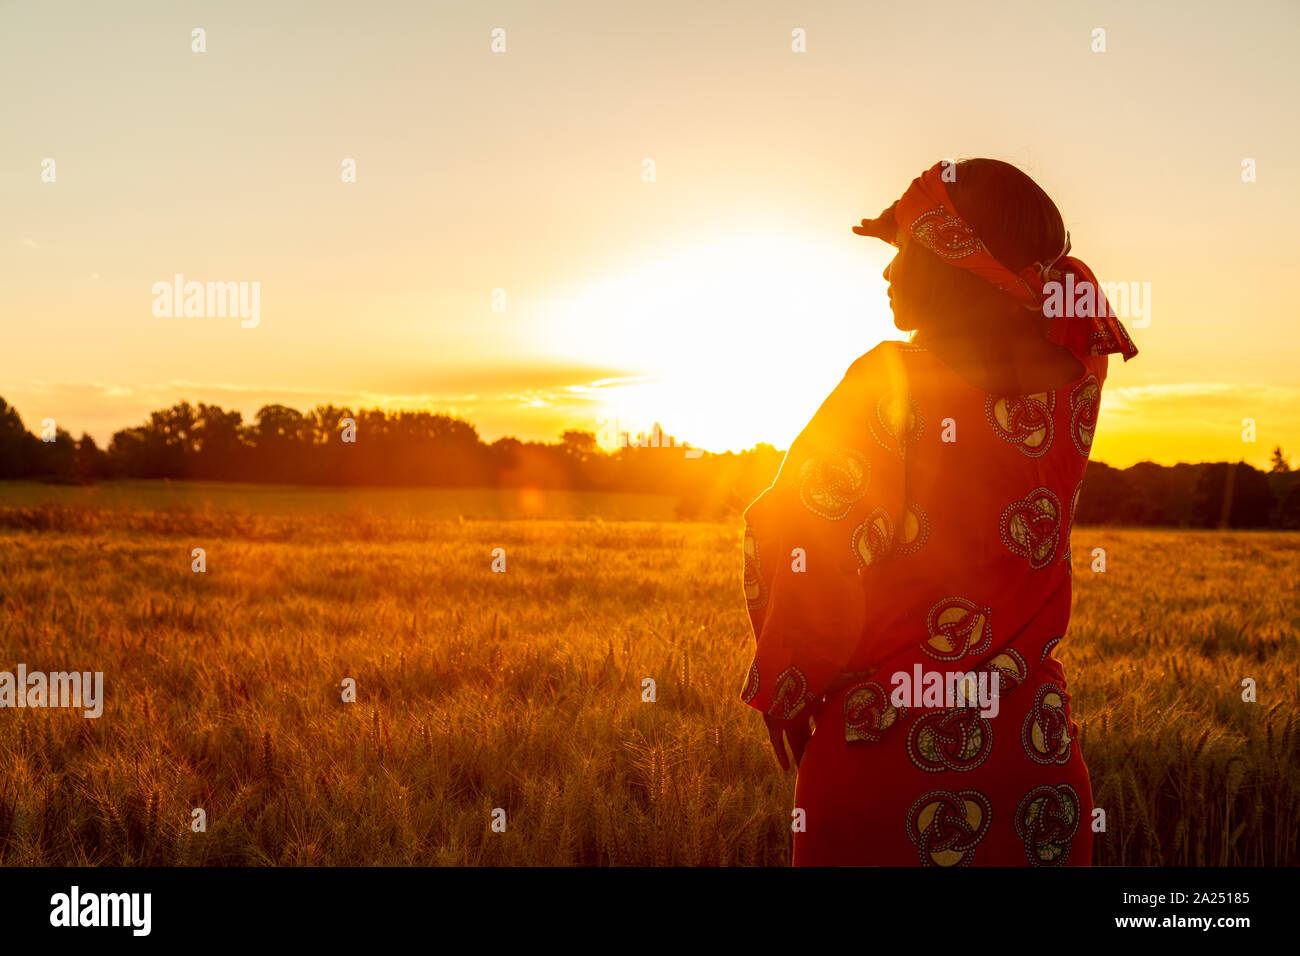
(504, 256)
(665, 439)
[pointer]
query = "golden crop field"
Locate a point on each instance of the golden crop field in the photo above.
(522, 690)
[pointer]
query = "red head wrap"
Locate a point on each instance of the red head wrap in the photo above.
(927, 213)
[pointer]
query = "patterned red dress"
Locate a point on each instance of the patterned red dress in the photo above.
(919, 532)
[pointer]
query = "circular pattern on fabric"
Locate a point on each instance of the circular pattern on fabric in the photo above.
(791, 694)
(958, 627)
(897, 424)
(750, 690)
(1023, 420)
(1046, 731)
(1047, 820)
(755, 591)
(830, 484)
(958, 738)
(873, 540)
(1047, 649)
(946, 827)
(1010, 668)
(1068, 555)
(869, 713)
(1031, 527)
(1085, 403)
(915, 529)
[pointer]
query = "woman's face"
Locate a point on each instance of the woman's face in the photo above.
(902, 279)
(927, 295)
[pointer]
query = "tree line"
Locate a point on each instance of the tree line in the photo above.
(282, 445)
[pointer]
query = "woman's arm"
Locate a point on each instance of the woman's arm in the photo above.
(832, 512)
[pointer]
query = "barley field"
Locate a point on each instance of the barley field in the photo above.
(523, 690)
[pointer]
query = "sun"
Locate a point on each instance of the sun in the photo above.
(731, 341)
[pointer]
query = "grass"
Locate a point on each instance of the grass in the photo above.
(523, 691)
(221, 498)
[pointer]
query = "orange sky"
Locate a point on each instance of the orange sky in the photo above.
(725, 299)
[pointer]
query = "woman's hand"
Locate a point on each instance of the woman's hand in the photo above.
(882, 227)
(798, 732)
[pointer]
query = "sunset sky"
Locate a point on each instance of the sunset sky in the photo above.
(725, 299)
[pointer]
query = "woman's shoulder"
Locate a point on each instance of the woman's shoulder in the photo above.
(892, 365)
(886, 358)
(868, 381)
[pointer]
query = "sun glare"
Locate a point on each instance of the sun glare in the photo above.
(732, 342)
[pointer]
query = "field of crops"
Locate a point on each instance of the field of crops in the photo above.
(522, 690)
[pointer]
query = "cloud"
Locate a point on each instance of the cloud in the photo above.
(500, 378)
(1137, 398)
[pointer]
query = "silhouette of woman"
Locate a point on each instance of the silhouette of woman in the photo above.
(908, 572)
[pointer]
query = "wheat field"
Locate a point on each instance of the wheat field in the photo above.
(523, 691)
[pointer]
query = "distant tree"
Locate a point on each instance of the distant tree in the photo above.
(219, 448)
(176, 426)
(1108, 496)
(91, 463)
(281, 436)
(1232, 495)
(1289, 515)
(579, 444)
(17, 445)
(55, 460)
(1159, 495)
(280, 423)
(163, 447)
(326, 422)
(505, 455)
(130, 454)
(424, 448)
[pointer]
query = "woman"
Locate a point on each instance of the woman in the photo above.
(908, 572)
